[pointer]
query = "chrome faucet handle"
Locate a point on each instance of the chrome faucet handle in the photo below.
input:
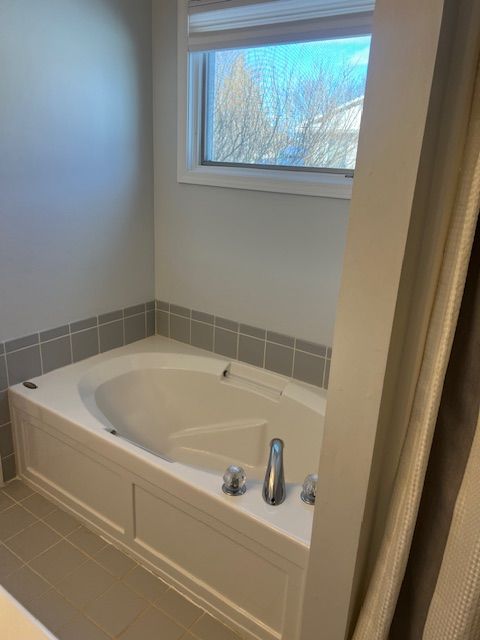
(309, 489)
(234, 481)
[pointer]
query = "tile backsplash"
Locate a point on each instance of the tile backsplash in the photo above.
(290, 356)
(30, 356)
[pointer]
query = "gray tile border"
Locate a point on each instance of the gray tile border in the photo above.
(3, 373)
(225, 323)
(251, 350)
(279, 359)
(150, 323)
(6, 440)
(280, 338)
(84, 344)
(81, 325)
(309, 368)
(51, 334)
(150, 305)
(4, 408)
(254, 332)
(134, 310)
(134, 328)
(208, 318)
(162, 306)
(180, 311)
(24, 364)
(2, 348)
(111, 335)
(225, 343)
(280, 349)
(163, 323)
(56, 354)
(111, 316)
(202, 335)
(21, 343)
(310, 347)
(179, 328)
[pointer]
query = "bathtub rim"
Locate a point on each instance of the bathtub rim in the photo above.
(248, 514)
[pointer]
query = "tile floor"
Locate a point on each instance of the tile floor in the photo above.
(82, 588)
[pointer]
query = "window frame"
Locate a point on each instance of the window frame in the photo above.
(329, 183)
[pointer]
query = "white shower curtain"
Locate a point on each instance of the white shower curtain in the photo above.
(454, 611)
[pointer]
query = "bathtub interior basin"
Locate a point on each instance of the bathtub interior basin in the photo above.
(208, 413)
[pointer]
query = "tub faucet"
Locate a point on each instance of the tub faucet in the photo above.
(274, 483)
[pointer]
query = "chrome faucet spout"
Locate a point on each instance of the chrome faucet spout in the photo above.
(274, 483)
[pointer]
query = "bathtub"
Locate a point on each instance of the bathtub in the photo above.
(134, 442)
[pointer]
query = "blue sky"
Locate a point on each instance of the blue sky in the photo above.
(304, 57)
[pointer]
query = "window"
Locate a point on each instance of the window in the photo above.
(272, 93)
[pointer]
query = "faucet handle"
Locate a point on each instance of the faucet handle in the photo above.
(234, 481)
(309, 489)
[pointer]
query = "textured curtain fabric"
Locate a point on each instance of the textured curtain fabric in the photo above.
(449, 456)
(378, 610)
(454, 612)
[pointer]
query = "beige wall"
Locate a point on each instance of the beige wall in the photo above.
(270, 260)
(76, 184)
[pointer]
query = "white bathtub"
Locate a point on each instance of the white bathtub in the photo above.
(181, 416)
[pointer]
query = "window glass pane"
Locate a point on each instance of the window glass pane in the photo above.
(296, 105)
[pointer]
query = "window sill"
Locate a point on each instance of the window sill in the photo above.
(326, 185)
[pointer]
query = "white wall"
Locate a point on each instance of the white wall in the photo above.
(269, 260)
(384, 304)
(76, 186)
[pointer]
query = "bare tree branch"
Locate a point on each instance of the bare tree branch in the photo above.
(268, 114)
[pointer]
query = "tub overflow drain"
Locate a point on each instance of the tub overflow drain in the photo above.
(30, 385)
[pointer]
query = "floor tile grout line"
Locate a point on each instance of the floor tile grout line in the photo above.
(82, 609)
(116, 580)
(33, 513)
(37, 518)
(50, 584)
(3, 490)
(84, 606)
(38, 554)
(82, 614)
(77, 546)
(62, 537)
(150, 604)
(17, 532)
(89, 557)
(52, 527)
(188, 632)
(176, 620)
